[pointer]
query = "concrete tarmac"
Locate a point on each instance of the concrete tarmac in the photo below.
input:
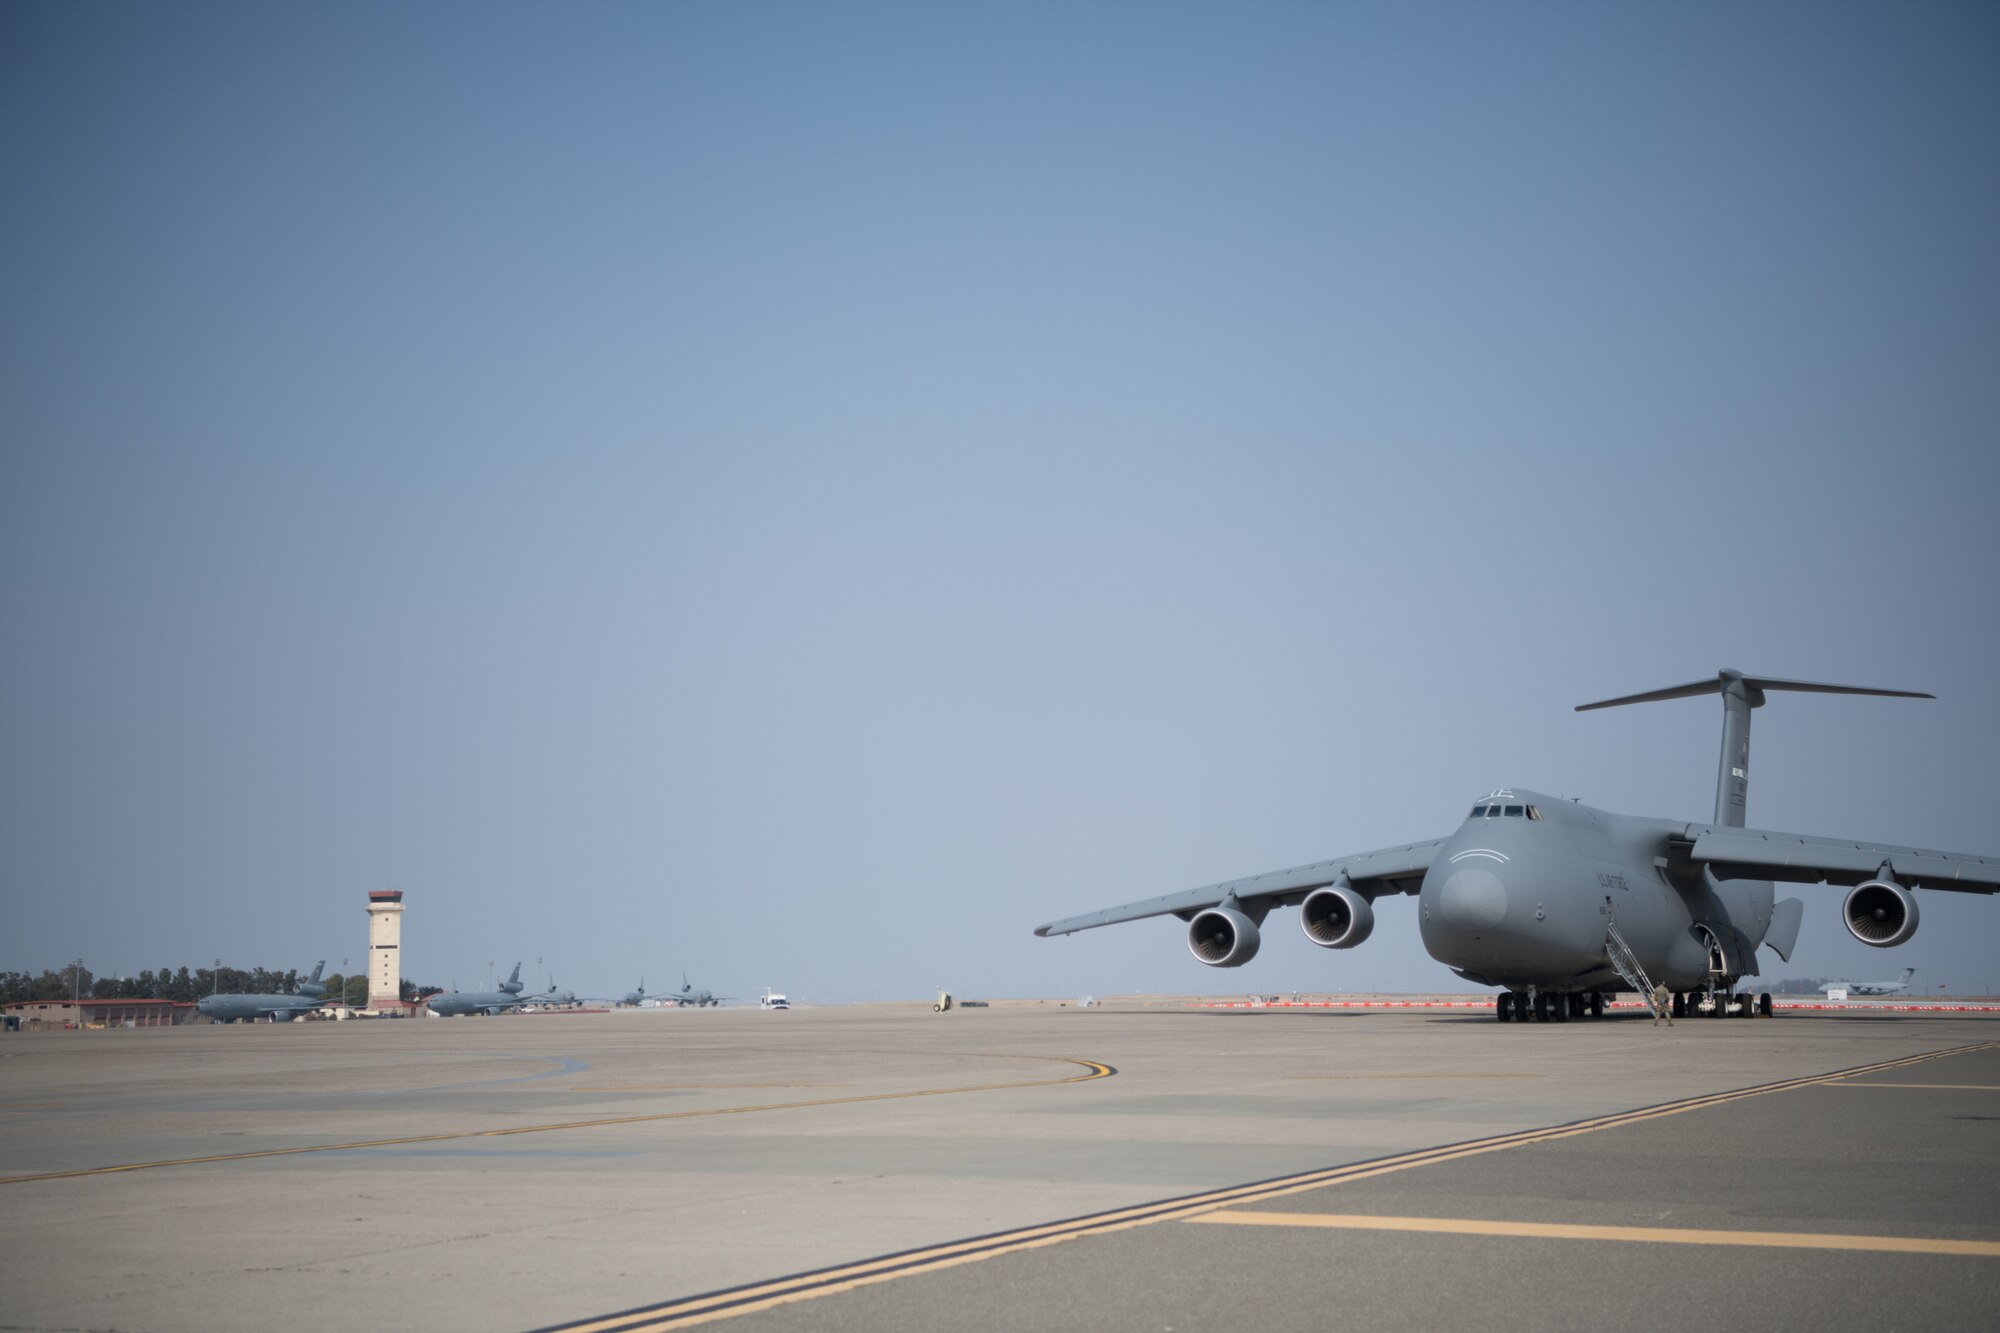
(1022, 1166)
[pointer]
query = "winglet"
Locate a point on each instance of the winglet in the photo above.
(1783, 936)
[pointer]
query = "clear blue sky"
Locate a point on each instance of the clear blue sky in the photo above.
(802, 493)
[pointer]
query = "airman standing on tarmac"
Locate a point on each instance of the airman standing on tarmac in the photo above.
(1662, 1006)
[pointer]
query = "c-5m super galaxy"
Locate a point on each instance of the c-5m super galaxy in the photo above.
(1561, 904)
(1896, 987)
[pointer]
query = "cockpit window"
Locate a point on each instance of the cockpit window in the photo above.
(1534, 813)
(1515, 811)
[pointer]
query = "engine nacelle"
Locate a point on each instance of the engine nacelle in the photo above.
(1223, 937)
(1336, 917)
(1880, 912)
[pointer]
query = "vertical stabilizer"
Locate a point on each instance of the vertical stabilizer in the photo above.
(1740, 694)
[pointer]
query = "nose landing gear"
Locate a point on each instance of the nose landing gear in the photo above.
(1547, 1006)
(1718, 1003)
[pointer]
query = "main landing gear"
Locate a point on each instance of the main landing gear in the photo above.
(1542, 1006)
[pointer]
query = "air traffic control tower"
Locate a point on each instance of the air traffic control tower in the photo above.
(385, 949)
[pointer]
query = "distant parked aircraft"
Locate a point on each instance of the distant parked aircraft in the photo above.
(552, 996)
(499, 1001)
(637, 996)
(698, 998)
(249, 1008)
(1873, 987)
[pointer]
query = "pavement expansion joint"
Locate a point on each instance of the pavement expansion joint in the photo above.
(1094, 1070)
(685, 1312)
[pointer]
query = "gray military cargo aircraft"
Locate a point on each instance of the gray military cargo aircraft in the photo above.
(509, 996)
(277, 1008)
(1562, 904)
(552, 997)
(688, 995)
(1896, 987)
(637, 997)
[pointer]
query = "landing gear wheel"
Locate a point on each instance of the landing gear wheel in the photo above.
(1563, 1005)
(1503, 1006)
(1764, 1004)
(1597, 1004)
(1680, 1006)
(1542, 1006)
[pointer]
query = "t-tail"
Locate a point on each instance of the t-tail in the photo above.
(1740, 694)
(311, 985)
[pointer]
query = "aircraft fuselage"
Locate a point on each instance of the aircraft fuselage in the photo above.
(1523, 896)
(225, 1008)
(453, 1003)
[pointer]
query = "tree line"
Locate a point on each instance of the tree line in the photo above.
(185, 984)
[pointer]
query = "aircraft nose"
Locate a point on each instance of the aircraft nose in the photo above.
(1472, 897)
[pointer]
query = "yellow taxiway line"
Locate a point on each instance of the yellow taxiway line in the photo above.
(1936, 1087)
(1464, 1226)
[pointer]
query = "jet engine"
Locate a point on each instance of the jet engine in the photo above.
(1880, 912)
(1223, 937)
(1336, 917)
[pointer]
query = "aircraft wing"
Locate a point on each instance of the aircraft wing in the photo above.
(1742, 853)
(1391, 870)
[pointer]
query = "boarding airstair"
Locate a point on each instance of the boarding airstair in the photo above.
(1627, 964)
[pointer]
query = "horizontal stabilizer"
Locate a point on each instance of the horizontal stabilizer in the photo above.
(1754, 684)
